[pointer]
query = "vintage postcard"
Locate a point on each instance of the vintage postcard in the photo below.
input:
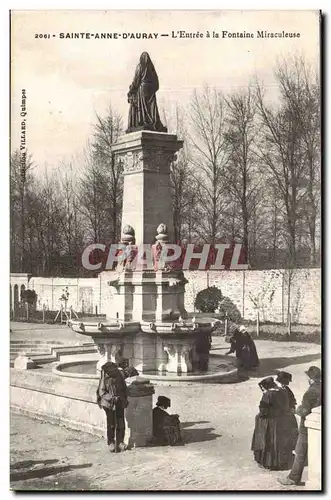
(165, 250)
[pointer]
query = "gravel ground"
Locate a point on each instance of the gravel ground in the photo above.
(217, 425)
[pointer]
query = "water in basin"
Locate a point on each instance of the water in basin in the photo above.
(216, 364)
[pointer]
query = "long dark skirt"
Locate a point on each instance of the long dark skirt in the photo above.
(248, 356)
(171, 431)
(290, 431)
(270, 443)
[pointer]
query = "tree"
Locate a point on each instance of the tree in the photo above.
(181, 178)
(72, 223)
(107, 130)
(93, 204)
(242, 179)
(47, 223)
(209, 159)
(300, 88)
(290, 151)
(20, 182)
(282, 154)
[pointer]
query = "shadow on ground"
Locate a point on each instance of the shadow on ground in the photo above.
(270, 366)
(30, 463)
(190, 424)
(191, 435)
(40, 472)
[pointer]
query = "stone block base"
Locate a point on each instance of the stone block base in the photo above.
(314, 426)
(23, 363)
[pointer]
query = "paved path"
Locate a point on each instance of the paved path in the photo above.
(217, 424)
(45, 332)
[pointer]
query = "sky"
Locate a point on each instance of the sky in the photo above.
(68, 81)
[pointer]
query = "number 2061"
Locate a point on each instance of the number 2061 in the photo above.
(42, 36)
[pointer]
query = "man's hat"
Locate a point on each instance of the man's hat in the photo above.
(314, 373)
(110, 368)
(284, 377)
(163, 401)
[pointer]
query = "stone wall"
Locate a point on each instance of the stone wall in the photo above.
(267, 290)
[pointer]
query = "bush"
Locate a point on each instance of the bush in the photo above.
(29, 296)
(208, 300)
(229, 309)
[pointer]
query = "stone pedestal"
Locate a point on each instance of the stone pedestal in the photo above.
(138, 414)
(314, 426)
(149, 296)
(147, 196)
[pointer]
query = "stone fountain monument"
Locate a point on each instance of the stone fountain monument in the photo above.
(151, 327)
(147, 322)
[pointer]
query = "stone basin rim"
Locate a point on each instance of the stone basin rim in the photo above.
(164, 328)
(144, 376)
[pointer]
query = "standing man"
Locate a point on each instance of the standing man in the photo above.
(311, 399)
(113, 398)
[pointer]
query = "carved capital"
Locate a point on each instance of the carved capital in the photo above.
(151, 159)
(132, 161)
(170, 349)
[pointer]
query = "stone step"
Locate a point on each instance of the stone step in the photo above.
(30, 351)
(31, 347)
(55, 353)
(58, 351)
(32, 341)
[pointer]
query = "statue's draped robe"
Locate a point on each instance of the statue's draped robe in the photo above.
(143, 113)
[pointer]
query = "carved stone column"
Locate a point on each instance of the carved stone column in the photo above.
(108, 351)
(179, 354)
(185, 361)
(172, 352)
(147, 198)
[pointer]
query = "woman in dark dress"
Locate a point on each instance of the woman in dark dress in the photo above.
(143, 113)
(270, 438)
(202, 349)
(166, 428)
(244, 347)
(290, 425)
(284, 379)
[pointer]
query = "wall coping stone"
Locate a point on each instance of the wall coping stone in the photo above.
(81, 389)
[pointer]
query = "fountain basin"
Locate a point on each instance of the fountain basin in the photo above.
(222, 369)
